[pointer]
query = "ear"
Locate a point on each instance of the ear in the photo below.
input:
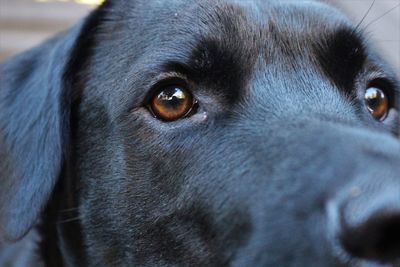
(34, 127)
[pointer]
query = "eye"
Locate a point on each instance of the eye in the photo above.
(172, 103)
(377, 103)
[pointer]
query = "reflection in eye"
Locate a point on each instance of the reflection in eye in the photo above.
(171, 103)
(377, 103)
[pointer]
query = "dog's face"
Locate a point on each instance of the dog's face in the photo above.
(206, 133)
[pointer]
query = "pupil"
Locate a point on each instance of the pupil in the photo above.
(373, 97)
(373, 103)
(172, 97)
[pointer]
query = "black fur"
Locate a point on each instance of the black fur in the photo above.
(277, 166)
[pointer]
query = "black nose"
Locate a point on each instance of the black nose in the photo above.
(370, 227)
(378, 238)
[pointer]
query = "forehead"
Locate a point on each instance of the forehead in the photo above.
(243, 19)
(243, 29)
(205, 16)
(220, 41)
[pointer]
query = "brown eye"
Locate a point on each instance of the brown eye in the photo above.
(377, 103)
(171, 103)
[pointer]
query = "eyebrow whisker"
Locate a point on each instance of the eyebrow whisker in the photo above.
(381, 16)
(365, 15)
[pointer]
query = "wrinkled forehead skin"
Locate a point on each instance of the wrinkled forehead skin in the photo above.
(244, 176)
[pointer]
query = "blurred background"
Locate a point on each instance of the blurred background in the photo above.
(25, 23)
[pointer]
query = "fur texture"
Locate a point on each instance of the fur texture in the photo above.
(280, 165)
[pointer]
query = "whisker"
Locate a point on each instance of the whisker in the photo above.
(389, 41)
(69, 210)
(365, 15)
(381, 16)
(69, 220)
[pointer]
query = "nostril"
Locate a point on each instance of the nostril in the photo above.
(378, 238)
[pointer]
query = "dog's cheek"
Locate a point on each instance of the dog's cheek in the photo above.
(140, 201)
(124, 195)
(102, 210)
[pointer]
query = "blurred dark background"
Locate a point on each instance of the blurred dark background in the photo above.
(25, 23)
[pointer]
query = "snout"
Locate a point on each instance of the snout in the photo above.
(337, 197)
(377, 238)
(368, 219)
(366, 211)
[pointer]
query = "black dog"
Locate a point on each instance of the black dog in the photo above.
(201, 133)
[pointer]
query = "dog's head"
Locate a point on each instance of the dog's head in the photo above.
(204, 133)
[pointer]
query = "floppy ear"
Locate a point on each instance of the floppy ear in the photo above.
(34, 118)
